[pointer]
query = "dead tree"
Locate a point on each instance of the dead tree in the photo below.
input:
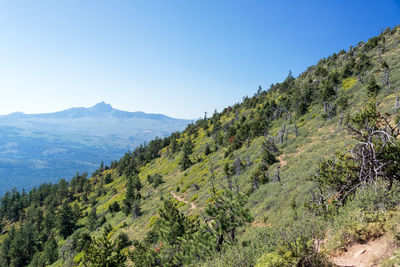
(282, 133)
(248, 161)
(326, 107)
(228, 175)
(330, 110)
(341, 119)
(376, 151)
(382, 47)
(397, 105)
(256, 181)
(248, 142)
(195, 187)
(336, 88)
(238, 166)
(386, 72)
(375, 157)
(360, 77)
(277, 175)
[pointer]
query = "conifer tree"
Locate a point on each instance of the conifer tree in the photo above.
(372, 87)
(5, 257)
(50, 251)
(76, 211)
(92, 220)
(268, 153)
(104, 252)
(224, 213)
(187, 151)
(131, 169)
(386, 71)
(65, 220)
(132, 196)
(173, 224)
(143, 255)
(207, 150)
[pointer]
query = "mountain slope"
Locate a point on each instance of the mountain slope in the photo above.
(46, 147)
(230, 190)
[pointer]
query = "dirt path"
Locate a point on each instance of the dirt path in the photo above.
(363, 255)
(192, 205)
(282, 161)
(259, 224)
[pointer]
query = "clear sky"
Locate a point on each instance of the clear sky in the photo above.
(179, 58)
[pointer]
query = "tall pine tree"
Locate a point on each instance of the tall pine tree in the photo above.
(65, 220)
(132, 196)
(187, 151)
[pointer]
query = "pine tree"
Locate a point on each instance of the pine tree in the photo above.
(225, 212)
(175, 233)
(268, 153)
(23, 245)
(174, 144)
(207, 150)
(5, 256)
(143, 255)
(373, 88)
(48, 223)
(172, 224)
(50, 251)
(187, 151)
(132, 197)
(92, 220)
(131, 169)
(104, 252)
(76, 211)
(65, 220)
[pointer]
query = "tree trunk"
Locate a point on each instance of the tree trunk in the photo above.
(282, 134)
(326, 107)
(220, 241)
(278, 178)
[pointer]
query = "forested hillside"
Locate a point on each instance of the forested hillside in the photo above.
(291, 176)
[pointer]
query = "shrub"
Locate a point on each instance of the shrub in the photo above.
(349, 83)
(114, 207)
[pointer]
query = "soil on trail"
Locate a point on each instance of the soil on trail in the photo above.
(368, 254)
(192, 205)
(282, 161)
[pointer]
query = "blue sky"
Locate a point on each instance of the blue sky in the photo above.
(175, 57)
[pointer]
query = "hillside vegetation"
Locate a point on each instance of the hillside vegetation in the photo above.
(288, 177)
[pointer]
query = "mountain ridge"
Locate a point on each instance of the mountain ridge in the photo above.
(98, 110)
(45, 144)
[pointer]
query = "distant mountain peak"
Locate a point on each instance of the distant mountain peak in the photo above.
(18, 113)
(102, 107)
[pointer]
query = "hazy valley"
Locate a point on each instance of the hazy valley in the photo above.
(42, 148)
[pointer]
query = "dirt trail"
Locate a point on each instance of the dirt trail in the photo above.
(363, 255)
(192, 205)
(282, 161)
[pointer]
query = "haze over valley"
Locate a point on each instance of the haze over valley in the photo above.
(38, 148)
